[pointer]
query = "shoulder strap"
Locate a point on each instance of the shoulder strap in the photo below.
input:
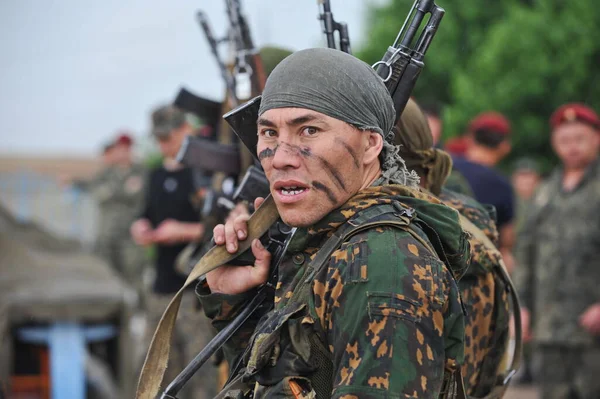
(397, 216)
(518, 350)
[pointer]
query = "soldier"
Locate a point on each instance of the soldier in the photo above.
(488, 141)
(169, 221)
(525, 180)
(483, 289)
(559, 270)
(433, 113)
(118, 191)
(378, 316)
(126, 185)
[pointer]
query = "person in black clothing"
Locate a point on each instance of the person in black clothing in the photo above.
(170, 221)
(488, 143)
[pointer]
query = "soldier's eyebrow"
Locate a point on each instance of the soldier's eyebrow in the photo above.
(300, 120)
(265, 122)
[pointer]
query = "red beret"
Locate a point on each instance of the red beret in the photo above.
(492, 121)
(574, 112)
(457, 146)
(125, 139)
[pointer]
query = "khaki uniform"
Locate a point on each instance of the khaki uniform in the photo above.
(558, 276)
(119, 195)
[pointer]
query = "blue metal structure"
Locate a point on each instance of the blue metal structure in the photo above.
(67, 342)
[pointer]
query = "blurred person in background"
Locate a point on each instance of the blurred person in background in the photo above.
(433, 113)
(559, 264)
(118, 191)
(525, 180)
(169, 221)
(488, 143)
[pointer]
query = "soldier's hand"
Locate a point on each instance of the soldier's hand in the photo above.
(238, 279)
(590, 319)
(169, 232)
(141, 232)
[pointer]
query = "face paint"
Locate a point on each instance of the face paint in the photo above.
(267, 153)
(297, 150)
(326, 190)
(350, 151)
(332, 171)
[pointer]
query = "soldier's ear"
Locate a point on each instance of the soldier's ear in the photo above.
(373, 148)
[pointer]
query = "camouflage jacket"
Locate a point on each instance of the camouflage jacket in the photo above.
(119, 195)
(386, 309)
(557, 251)
(485, 297)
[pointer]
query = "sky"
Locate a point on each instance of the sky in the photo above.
(73, 72)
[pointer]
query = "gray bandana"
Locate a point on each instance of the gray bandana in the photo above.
(343, 87)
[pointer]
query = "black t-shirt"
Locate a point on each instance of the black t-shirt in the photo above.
(169, 196)
(489, 187)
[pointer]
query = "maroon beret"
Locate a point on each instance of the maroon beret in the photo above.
(124, 139)
(574, 113)
(492, 121)
(457, 146)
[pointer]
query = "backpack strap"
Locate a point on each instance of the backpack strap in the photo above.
(500, 388)
(394, 215)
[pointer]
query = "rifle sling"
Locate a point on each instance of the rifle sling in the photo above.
(158, 354)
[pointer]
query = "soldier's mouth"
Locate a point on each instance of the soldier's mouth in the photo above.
(292, 190)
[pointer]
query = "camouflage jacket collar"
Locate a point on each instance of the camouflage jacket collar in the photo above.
(439, 222)
(591, 174)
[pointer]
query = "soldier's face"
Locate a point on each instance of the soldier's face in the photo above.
(525, 182)
(170, 145)
(314, 163)
(576, 144)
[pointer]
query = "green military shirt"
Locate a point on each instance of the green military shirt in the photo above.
(386, 308)
(557, 251)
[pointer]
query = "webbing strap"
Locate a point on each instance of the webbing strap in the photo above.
(158, 354)
(360, 222)
(498, 391)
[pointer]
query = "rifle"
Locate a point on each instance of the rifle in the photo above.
(248, 67)
(402, 64)
(208, 111)
(209, 156)
(227, 76)
(399, 69)
(330, 26)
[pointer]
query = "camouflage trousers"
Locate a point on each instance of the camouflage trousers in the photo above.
(193, 331)
(569, 373)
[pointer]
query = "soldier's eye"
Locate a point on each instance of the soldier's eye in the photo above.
(268, 133)
(310, 130)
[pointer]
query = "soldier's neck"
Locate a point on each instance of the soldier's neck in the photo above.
(572, 177)
(482, 155)
(171, 165)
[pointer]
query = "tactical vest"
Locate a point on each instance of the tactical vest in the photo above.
(286, 356)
